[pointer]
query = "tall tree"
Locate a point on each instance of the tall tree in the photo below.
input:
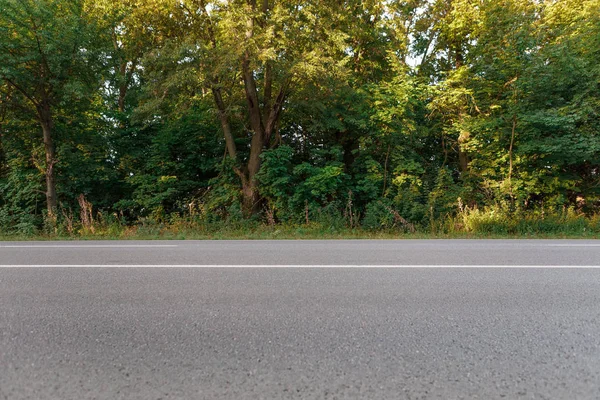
(45, 53)
(251, 54)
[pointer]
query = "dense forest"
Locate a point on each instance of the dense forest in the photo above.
(372, 114)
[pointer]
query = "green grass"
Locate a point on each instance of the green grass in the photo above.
(492, 223)
(315, 231)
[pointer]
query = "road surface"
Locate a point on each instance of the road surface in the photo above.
(349, 319)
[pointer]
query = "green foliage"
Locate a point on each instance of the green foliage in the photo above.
(444, 195)
(500, 221)
(276, 178)
(443, 116)
(180, 153)
(310, 186)
(21, 200)
(378, 216)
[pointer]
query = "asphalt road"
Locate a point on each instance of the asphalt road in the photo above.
(309, 252)
(302, 333)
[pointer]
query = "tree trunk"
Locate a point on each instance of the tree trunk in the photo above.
(463, 157)
(46, 123)
(122, 87)
(249, 190)
(250, 198)
(510, 158)
(349, 145)
(223, 119)
(263, 116)
(3, 165)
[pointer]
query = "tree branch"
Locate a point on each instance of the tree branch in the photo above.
(275, 111)
(221, 109)
(23, 92)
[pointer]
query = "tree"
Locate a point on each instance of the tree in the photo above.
(47, 63)
(386, 108)
(247, 54)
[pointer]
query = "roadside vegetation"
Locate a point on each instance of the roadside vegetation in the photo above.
(491, 223)
(299, 119)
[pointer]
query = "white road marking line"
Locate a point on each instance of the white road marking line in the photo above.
(575, 245)
(292, 266)
(111, 246)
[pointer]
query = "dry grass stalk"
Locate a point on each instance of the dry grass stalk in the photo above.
(87, 219)
(270, 213)
(399, 220)
(68, 220)
(306, 212)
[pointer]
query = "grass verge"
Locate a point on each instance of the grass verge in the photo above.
(492, 223)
